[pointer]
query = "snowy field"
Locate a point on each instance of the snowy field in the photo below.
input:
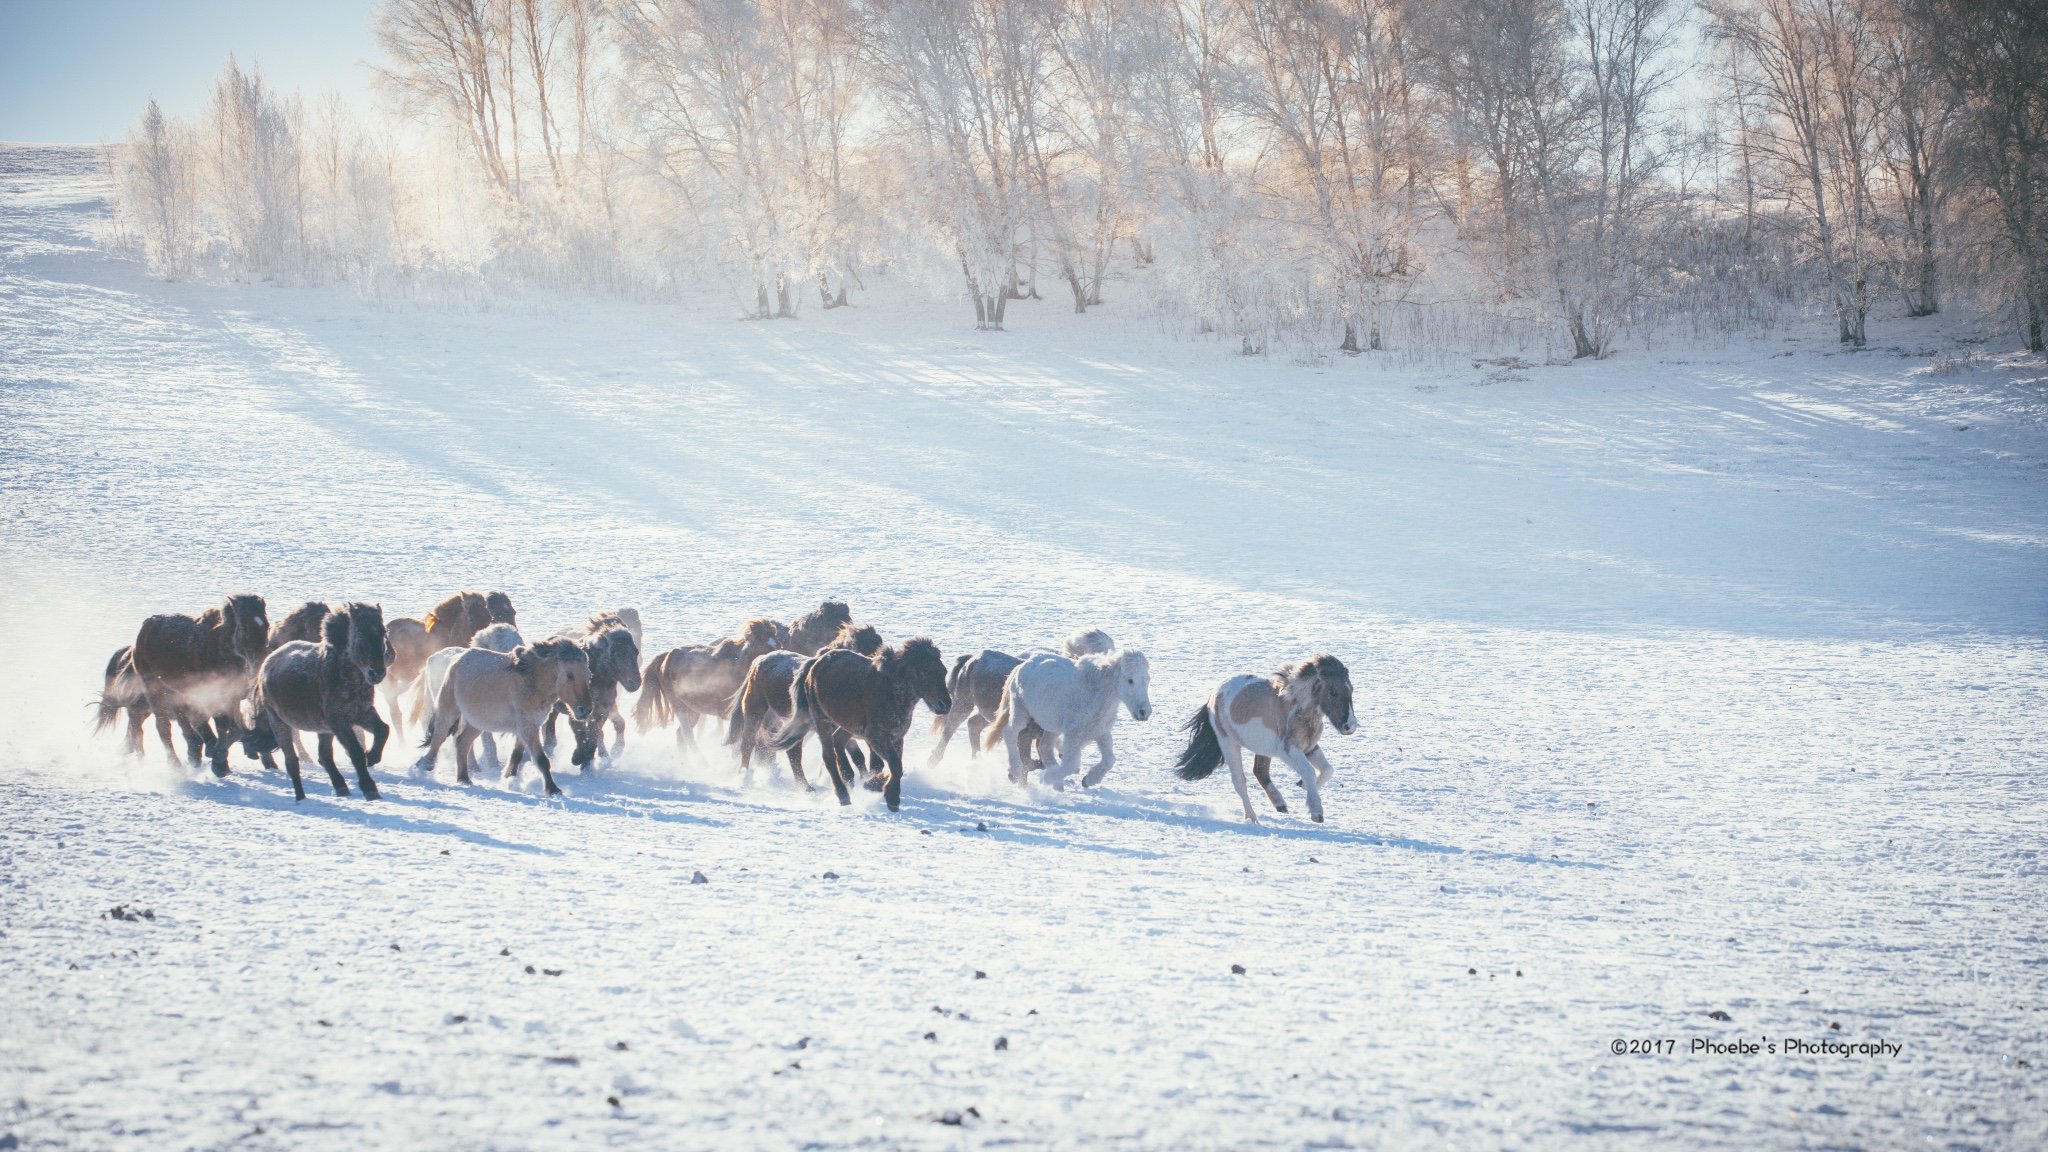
(1689, 683)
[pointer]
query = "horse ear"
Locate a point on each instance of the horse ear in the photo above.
(522, 657)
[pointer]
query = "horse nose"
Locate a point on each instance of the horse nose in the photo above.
(375, 676)
(945, 705)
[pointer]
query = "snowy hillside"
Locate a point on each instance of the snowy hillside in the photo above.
(1688, 684)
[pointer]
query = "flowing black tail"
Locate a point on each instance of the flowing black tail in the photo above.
(1203, 753)
(799, 724)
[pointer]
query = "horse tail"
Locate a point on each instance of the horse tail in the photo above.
(996, 727)
(652, 710)
(952, 688)
(1204, 752)
(736, 714)
(799, 724)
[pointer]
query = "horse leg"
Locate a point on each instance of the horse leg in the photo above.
(327, 762)
(1309, 780)
(463, 750)
(619, 730)
(513, 761)
(380, 734)
(833, 765)
(948, 724)
(1262, 768)
(388, 692)
(547, 728)
(1322, 763)
(796, 766)
(137, 713)
(289, 742)
(888, 752)
(531, 738)
(345, 732)
(1012, 744)
(1103, 765)
(1234, 753)
(977, 726)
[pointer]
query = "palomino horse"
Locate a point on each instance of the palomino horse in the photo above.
(328, 688)
(699, 680)
(765, 698)
(1075, 702)
(454, 622)
(197, 671)
(494, 692)
(411, 648)
(977, 681)
(1279, 715)
(843, 695)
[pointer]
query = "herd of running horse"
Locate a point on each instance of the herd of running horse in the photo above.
(230, 677)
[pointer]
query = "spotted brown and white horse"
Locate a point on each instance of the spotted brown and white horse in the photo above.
(1278, 716)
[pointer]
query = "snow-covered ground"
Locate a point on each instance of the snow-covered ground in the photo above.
(1689, 683)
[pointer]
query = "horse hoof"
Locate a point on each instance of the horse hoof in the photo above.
(1316, 816)
(221, 771)
(372, 794)
(343, 792)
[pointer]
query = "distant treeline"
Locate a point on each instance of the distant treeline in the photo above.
(1414, 176)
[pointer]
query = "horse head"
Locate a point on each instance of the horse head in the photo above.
(759, 638)
(571, 667)
(861, 638)
(248, 627)
(920, 667)
(368, 647)
(1134, 683)
(618, 655)
(498, 607)
(1333, 693)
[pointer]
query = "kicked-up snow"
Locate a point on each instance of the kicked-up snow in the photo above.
(1700, 700)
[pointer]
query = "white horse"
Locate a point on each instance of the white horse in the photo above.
(1279, 715)
(499, 637)
(1074, 701)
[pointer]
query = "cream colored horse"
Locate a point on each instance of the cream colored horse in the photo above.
(494, 692)
(1074, 701)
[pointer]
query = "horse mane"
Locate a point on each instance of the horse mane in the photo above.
(1293, 682)
(492, 600)
(861, 638)
(888, 657)
(830, 611)
(334, 628)
(759, 626)
(440, 611)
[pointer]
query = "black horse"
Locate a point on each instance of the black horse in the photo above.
(328, 688)
(196, 672)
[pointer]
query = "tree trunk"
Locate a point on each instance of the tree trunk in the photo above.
(1350, 343)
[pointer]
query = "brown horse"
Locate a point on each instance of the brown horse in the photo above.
(197, 672)
(614, 664)
(684, 684)
(976, 685)
(328, 688)
(842, 696)
(490, 691)
(814, 630)
(766, 696)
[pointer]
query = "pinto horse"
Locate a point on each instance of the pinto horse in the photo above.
(842, 695)
(1279, 715)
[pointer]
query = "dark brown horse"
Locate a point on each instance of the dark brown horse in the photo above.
(302, 624)
(842, 695)
(763, 703)
(697, 680)
(614, 664)
(328, 688)
(814, 630)
(197, 672)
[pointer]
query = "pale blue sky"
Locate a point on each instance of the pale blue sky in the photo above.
(79, 71)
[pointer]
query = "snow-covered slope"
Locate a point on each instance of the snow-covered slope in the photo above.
(1686, 687)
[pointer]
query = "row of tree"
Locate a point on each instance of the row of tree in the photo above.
(1367, 174)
